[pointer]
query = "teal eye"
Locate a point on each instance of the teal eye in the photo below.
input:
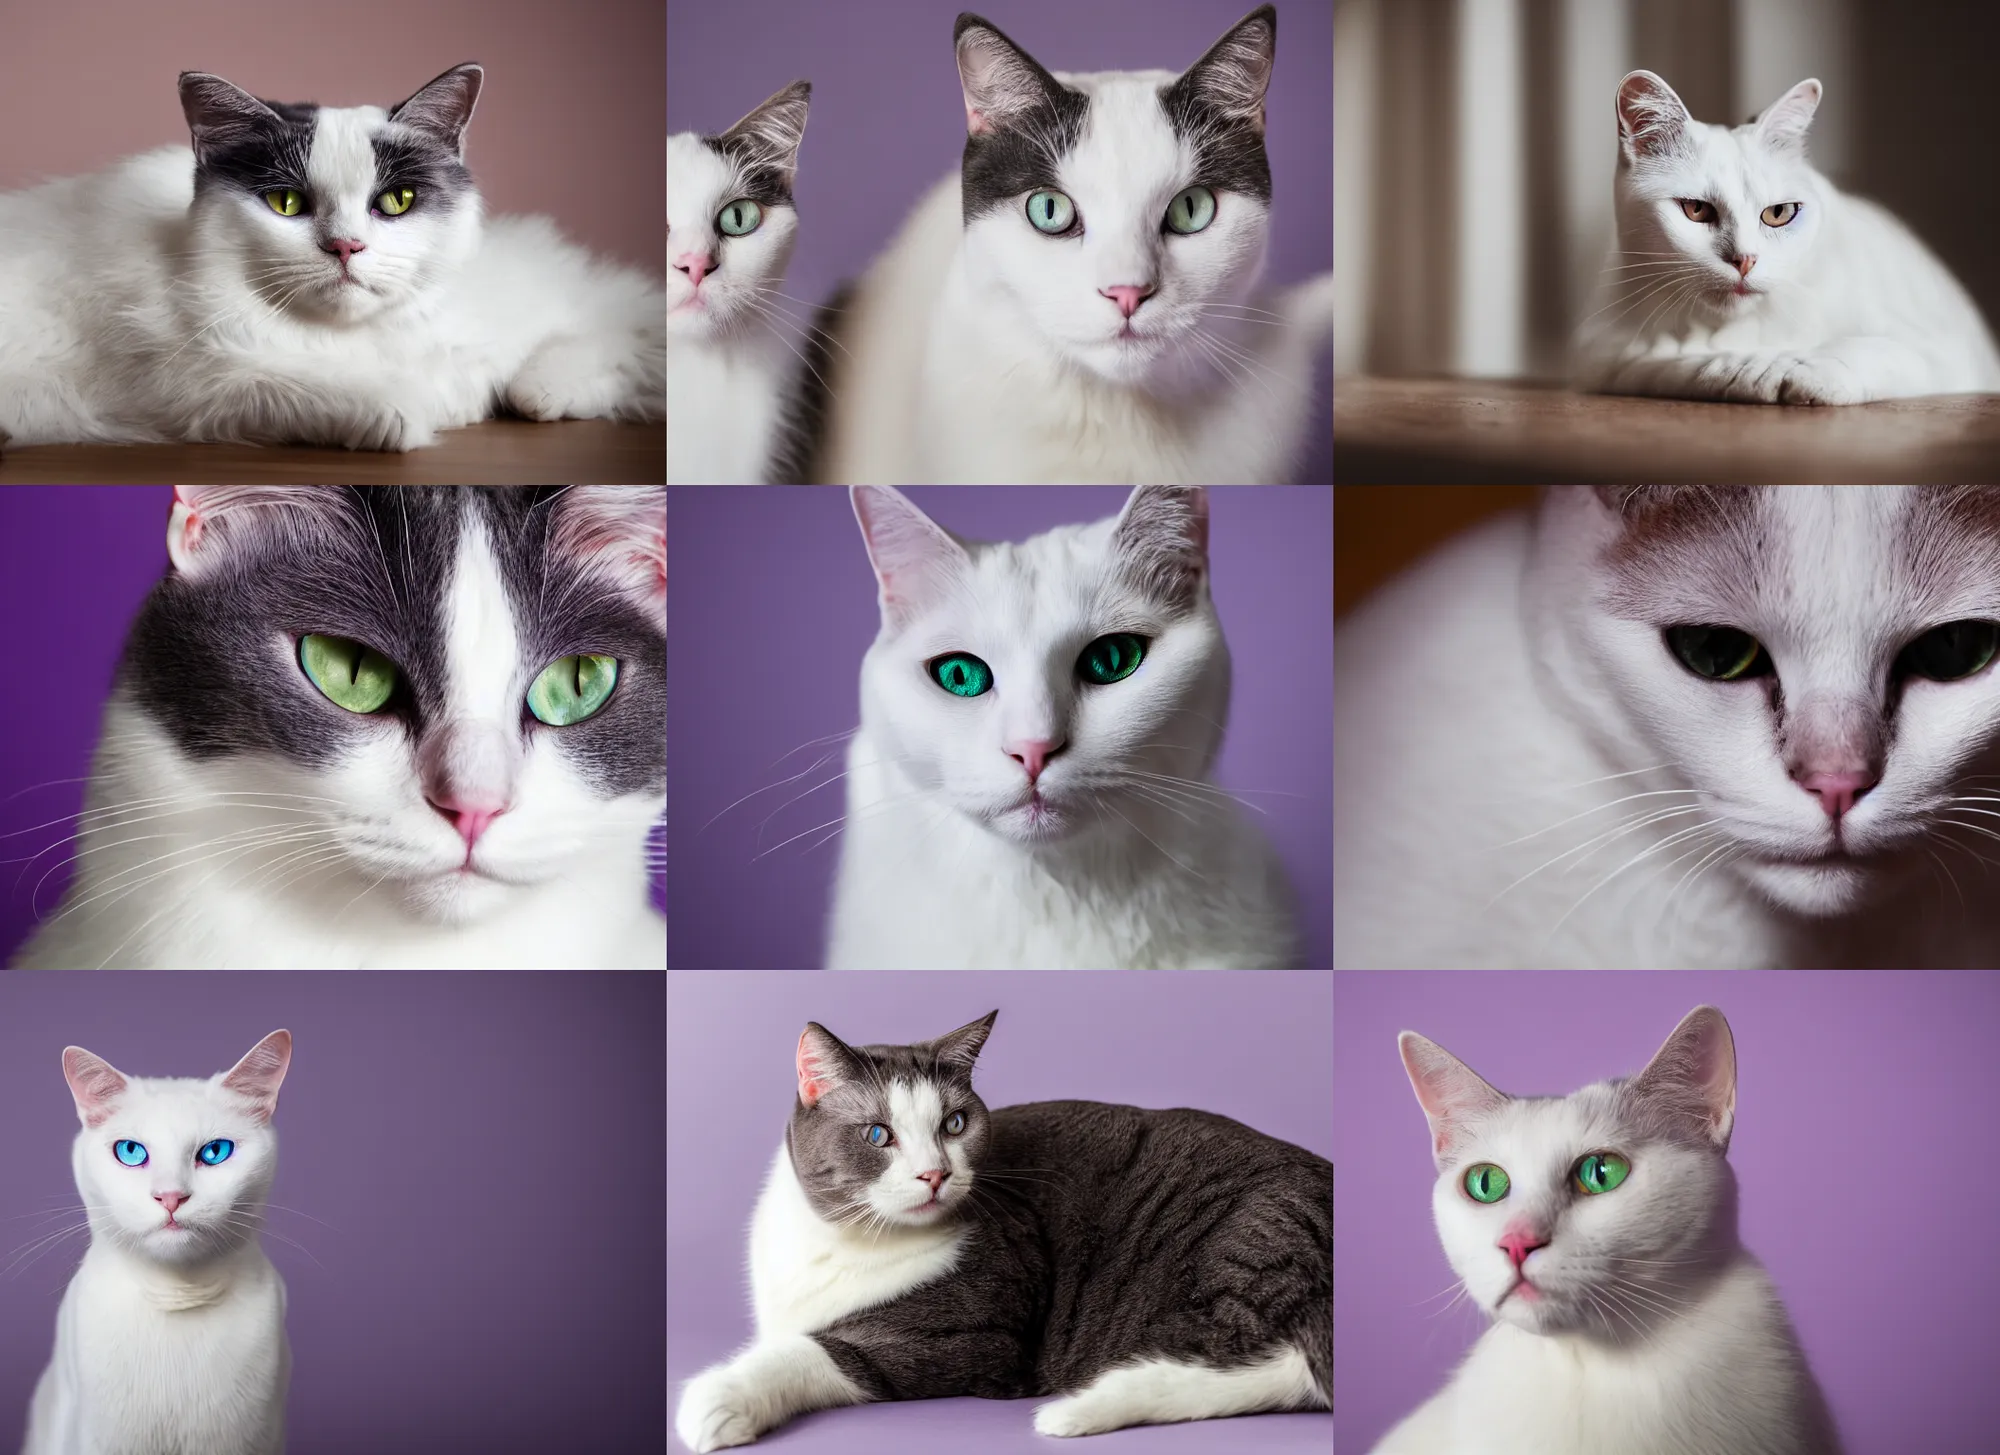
(955, 1123)
(1193, 210)
(962, 674)
(1956, 649)
(1051, 211)
(739, 217)
(1600, 1172)
(1719, 653)
(347, 673)
(216, 1151)
(877, 1135)
(572, 689)
(132, 1154)
(1486, 1183)
(1111, 659)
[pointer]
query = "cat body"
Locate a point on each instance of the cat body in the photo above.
(1527, 777)
(1049, 820)
(1740, 272)
(169, 298)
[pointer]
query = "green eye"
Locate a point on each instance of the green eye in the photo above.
(348, 674)
(396, 201)
(1486, 1183)
(1720, 653)
(572, 689)
(1193, 210)
(1956, 649)
(1051, 211)
(285, 202)
(1111, 659)
(1600, 1172)
(962, 674)
(739, 217)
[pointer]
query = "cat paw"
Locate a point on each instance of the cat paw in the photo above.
(389, 430)
(1075, 1414)
(1819, 381)
(713, 1414)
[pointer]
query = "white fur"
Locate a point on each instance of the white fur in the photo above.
(1848, 305)
(1164, 1391)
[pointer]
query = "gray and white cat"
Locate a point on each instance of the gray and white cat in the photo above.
(308, 275)
(1078, 302)
(171, 1336)
(1678, 727)
(911, 1243)
(1598, 1231)
(1029, 785)
(1740, 272)
(393, 728)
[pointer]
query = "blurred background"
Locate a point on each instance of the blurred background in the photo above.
(1380, 529)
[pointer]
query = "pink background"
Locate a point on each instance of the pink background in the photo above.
(570, 124)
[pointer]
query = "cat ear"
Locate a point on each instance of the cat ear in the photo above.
(218, 113)
(1782, 128)
(1002, 82)
(824, 1062)
(209, 521)
(1447, 1089)
(914, 557)
(1652, 120)
(1692, 1077)
(94, 1084)
(621, 531)
(443, 107)
(1162, 539)
(961, 1047)
(771, 134)
(1236, 71)
(260, 1073)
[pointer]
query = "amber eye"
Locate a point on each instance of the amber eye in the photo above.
(1779, 213)
(1697, 210)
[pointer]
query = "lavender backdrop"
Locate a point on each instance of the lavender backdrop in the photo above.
(888, 120)
(1254, 1047)
(772, 604)
(76, 561)
(470, 1179)
(1868, 1104)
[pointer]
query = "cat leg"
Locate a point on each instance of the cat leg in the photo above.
(1857, 369)
(1164, 1392)
(267, 410)
(573, 377)
(767, 1384)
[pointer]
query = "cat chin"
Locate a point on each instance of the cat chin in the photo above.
(453, 899)
(1819, 890)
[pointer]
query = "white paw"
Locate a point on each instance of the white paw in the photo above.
(387, 428)
(539, 398)
(1075, 1414)
(714, 1413)
(1820, 381)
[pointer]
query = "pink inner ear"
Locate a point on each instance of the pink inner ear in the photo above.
(813, 1080)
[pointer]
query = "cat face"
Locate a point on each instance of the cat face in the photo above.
(888, 1134)
(731, 222)
(1116, 213)
(177, 1170)
(334, 215)
(1584, 1213)
(1043, 689)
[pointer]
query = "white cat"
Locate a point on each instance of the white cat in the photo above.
(731, 224)
(1739, 272)
(307, 275)
(1029, 785)
(171, 1337)
(1678, 727)
(1077, 304)
(1598, 1231)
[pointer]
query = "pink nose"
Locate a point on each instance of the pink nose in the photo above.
(1745, 263)
(1128, 296)
(347, 247)
(470, 816)
(1837, 792)
(934, 1178)
(1518, 1243)
(696, 266)
(1032, 754)
(173, 1202)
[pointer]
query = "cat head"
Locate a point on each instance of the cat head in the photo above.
(888, 1134)
(1121, 212)
(176, 1169)
(1585, 1213)
(452, 693)
(334, 215)
(731, 221)
(1032, 687)
(1738, 208)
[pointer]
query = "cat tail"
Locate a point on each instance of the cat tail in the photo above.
(803, 415)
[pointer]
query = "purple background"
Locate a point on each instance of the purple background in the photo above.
(76, 561)
(888, 118)
(1254, 1047)
(470, 1160)
(1865, 1127)
(774, 605)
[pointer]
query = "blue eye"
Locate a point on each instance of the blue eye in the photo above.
(955, 1123)
(132, 1154)
(877, 1135)
(216, 1151)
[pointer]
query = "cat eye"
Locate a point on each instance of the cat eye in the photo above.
(132, 1154)
(877, 1135)
(1779, 213)
(348, 673)
(1486, 1183)
(396, 201)
(571, 689)
(1946, 653)
(1111, 659)
(1719, 653)
(955, 1123)
(1051, 212)
(1600, 1172)
(285, 201)
(961, 674)
(1696, 209)
(216, 1152)
(739, 217)
(1193, 210)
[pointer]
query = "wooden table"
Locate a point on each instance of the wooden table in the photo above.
(1421, 431)
(498, 452)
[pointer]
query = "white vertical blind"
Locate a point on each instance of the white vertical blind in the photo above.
(1491, 332)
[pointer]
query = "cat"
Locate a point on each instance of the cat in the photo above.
(392, 728)
(171, 1336)
(1178, 1266)
(1678, 727)
(307, 275)
(1739, 272)
(1598, 1231)
(1029, 784)
(731, 226)
(1077, 304)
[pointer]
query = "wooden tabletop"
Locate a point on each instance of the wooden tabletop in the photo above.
(498, 452)
(1415, 431)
